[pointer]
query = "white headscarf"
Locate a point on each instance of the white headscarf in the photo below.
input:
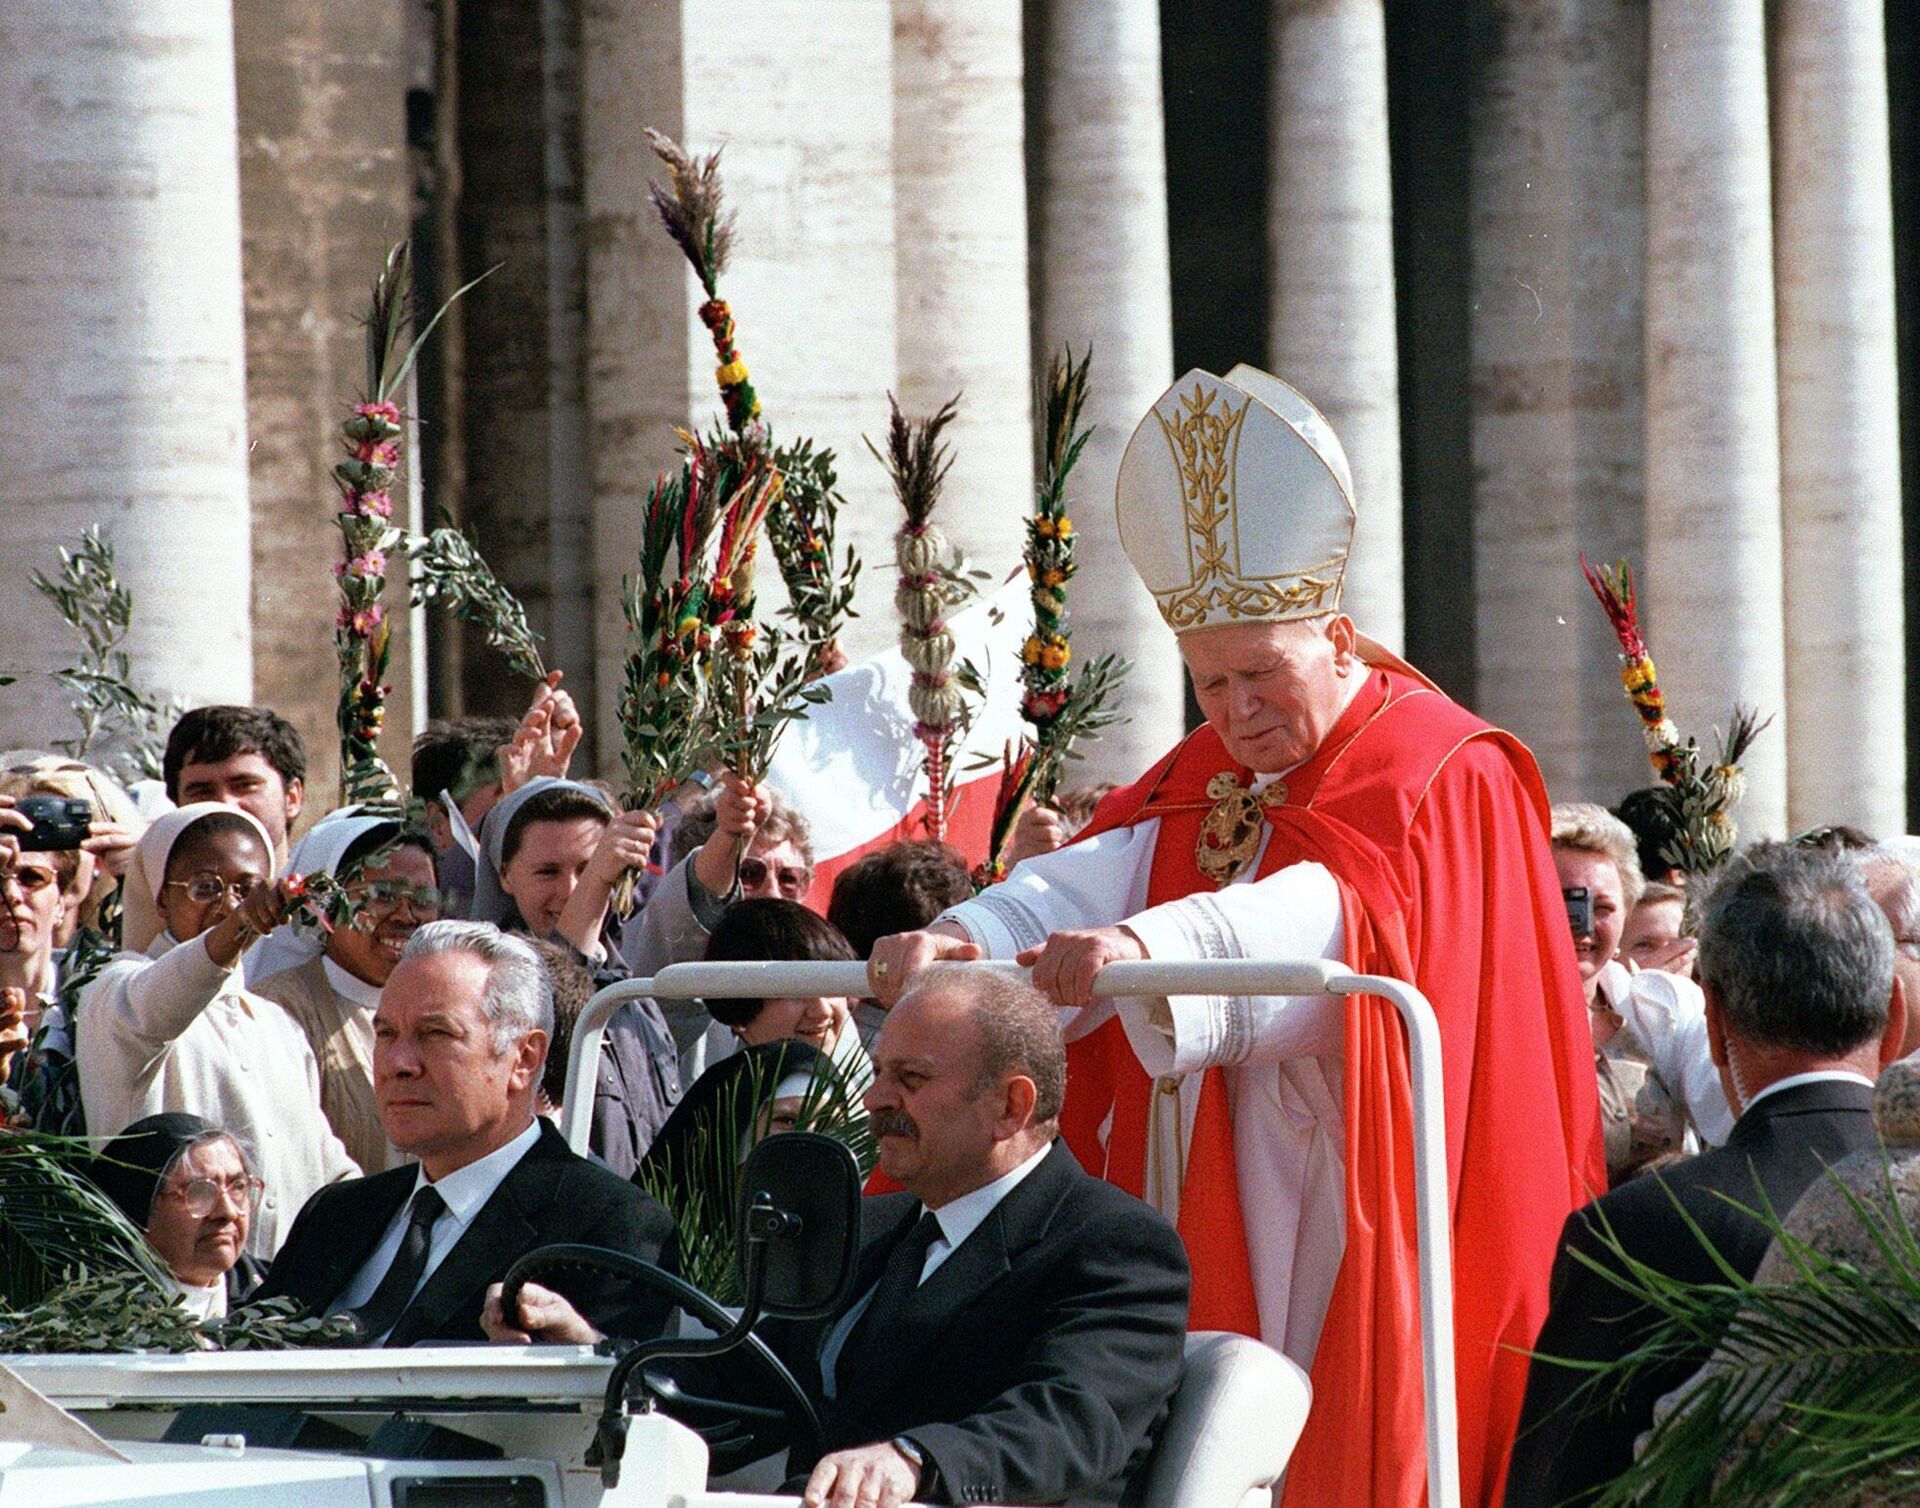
(142, 922)
(491, 903)
(319, 852)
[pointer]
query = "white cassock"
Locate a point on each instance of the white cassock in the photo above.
(1282, 1055)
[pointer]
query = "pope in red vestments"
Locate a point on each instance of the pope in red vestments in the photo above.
(1336, 805)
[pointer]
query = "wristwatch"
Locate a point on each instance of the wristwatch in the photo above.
(916, 1457)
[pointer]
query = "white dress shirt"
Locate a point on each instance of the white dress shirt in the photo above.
(958, 1218)
(465, 1192)
(1817, 1076)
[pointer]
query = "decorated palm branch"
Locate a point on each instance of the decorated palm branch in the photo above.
(362, 632)
(760, 681)
(1700, 800)
(663, 699)
(917, 459)
(1062, 709)
(804, 518)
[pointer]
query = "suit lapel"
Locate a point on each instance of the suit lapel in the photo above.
(502, 1229)
(346, 1233)
(957, 1285)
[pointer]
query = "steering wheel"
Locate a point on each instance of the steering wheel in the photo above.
(731, 1429)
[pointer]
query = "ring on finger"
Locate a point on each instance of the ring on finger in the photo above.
(880, 970)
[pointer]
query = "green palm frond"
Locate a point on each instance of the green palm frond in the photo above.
(702, 1189)
(55, 1224)
(1809, 1398)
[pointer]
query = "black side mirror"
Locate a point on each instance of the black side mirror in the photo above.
(799, 1224)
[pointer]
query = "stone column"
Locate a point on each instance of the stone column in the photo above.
(1839, 416)
(1558, 184)
(1330, 268)
(122, 363)
(526, 457)
(801, 96)
(1713, 444)
(324, 189)
(1100, 182)
(960, 212)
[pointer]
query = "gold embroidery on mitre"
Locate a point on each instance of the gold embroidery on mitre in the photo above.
(1230, 832)
(1205, 441)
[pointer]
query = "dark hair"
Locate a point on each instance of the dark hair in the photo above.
(200, 834)
(1654, 821)
(898, 889)
(770, 929)
(376, 840)
(560, 803)
(211, 735)
(1796, 951)
(572, 985)
(1019, 1033)
(1077, 804)
(1835, 837)
(447, 756)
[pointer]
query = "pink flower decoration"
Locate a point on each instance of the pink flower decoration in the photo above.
(363, 622)
(378, 453)
(385, 411)
(372, 505)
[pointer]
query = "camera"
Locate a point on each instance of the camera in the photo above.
(1579, 901)
(59, 822)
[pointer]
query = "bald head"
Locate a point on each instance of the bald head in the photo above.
(969, 1075)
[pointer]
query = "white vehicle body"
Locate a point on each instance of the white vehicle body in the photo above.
(86, 1429)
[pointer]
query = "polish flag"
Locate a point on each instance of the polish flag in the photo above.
(855, 770)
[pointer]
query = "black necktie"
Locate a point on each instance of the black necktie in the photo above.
(895, 1289)
(381, 1312)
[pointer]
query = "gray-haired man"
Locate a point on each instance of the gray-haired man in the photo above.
(460, 1037)
(1803, 1010)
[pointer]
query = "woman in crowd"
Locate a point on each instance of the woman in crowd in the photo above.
(1658, 1085)
(186, 1183)
(760, 931)
(552, 854)
(331, 985)
(168, 1025)
(114, 828)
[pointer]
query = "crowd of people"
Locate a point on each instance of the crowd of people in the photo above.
(359, 1115)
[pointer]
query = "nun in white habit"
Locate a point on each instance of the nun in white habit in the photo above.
(168, 1025)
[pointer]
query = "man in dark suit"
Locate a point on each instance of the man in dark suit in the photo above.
(1017, 1327)
(460, 1037)
(1803, 1010)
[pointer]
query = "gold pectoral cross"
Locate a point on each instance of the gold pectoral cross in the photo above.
(1230, 833)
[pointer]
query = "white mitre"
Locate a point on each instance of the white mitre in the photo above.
(1236, 503)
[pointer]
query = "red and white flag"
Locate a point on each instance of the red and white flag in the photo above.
(855, 770)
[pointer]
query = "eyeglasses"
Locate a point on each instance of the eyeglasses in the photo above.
(243, 1191)
(31, 881)
(791, 879)
(424, 899)
(205, 888)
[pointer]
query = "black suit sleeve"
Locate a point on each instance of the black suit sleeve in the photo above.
(617, 1215)
(1096, 1379)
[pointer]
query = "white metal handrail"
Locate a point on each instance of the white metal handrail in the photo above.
(1154, 977)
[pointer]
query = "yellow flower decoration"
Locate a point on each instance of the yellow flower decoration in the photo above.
(1055, 656)
(732, 374)
(1030, 651)
(1064, 528)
